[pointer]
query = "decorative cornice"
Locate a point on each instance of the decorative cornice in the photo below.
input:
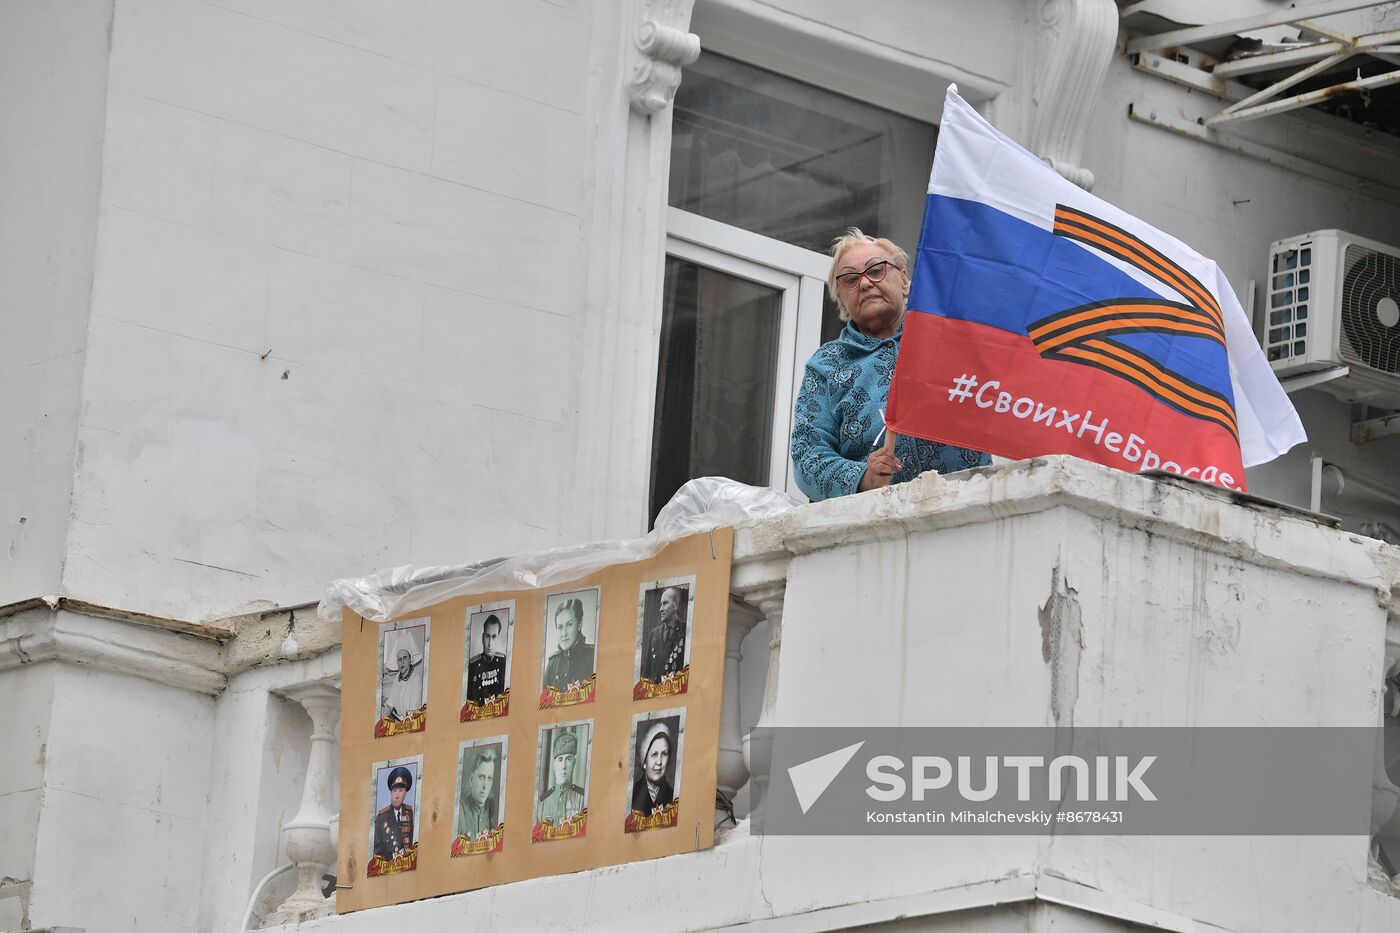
(197, 657)
(662, 46)
(1074, 48)
(82, 607)
(179, 659)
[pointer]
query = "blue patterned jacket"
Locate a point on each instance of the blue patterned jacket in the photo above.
(838, 418)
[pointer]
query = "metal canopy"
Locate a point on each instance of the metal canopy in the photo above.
(1289, 14)
(1330, 63)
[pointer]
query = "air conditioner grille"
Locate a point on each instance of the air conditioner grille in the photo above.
(1286, 332)
(1370, 310)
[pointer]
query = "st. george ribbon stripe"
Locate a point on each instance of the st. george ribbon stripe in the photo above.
(1126, 317)
(1082, 334)
(1180, 393)
(1086, 228)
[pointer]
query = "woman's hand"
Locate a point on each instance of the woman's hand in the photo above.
(880, 468)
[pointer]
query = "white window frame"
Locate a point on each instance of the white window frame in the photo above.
(799, 274)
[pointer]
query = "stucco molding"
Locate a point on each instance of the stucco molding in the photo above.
(212, 630)
(1074, 46)
(187, 661)
(661, 47)
(622, 300)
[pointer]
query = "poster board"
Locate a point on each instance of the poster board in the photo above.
(512, 744)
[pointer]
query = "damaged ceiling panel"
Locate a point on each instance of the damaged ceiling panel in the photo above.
(1340, 57)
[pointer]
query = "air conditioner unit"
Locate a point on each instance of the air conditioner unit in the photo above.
(1333, 299)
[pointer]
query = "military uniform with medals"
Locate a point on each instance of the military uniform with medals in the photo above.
(393, 830)
(664, 652)
(486, 676)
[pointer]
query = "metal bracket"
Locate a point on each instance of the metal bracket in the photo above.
(1374, 428)
(1197, 128)
(1307, 380)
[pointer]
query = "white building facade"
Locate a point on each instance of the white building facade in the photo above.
(294, 292)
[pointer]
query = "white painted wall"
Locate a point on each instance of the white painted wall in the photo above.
(24, 734)
(126, 787)
(131, 797)
(1171, 633)
(53, 76)
(320, 226)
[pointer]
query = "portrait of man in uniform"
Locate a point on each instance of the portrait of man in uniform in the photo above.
(480, 787)
(403, 677)
(571, 620)
(394, 832)
(487, 668)
(656, 752)
(562, 781)
(663, 638)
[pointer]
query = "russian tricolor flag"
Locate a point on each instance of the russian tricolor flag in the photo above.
(1043, 320)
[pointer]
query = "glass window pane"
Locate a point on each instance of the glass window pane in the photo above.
(715, 381)
(795, 162)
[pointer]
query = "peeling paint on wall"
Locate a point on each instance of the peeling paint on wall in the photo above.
(1061, 644)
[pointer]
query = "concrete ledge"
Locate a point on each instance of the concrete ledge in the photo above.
(189, 661)
(1206, 517)
(82, 607)
(1022, 890)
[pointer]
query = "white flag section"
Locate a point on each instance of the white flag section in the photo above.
(1023, 277)
(1269, 425)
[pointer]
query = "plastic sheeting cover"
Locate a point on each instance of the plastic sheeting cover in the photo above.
(700, 505)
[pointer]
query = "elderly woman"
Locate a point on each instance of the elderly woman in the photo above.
(652, 792)
(840, 408)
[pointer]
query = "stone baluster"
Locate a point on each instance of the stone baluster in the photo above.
(310, 843)
(758, 752)
(733, 770)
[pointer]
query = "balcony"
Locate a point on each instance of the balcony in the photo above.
(1040, 593)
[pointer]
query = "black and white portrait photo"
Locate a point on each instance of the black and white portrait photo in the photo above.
(403, 677)
(486, 668)
(656, 769)
(561, 781)
(479, 810)
(664, 612)
(570, 648)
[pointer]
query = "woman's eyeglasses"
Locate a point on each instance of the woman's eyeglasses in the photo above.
(874, 272)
